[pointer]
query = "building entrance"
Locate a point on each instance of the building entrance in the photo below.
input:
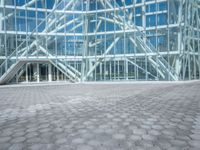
(40, 72)
(37, 72)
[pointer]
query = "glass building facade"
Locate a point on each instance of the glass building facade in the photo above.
(99, 40)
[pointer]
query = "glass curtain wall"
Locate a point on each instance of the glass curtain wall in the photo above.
(99, 40)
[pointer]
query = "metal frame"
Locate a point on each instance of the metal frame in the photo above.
(101, 40)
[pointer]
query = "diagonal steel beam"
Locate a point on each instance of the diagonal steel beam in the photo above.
(144, 46)
(101, 59)
(76, 72)
(135, 64)
(25, 5)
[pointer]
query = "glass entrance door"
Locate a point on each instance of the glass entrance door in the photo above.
(43, 70)
(32, 72)
(37, 72)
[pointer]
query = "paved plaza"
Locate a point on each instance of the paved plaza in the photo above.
(104, 116)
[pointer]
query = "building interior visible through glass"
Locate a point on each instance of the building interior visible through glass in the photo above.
(99, 40)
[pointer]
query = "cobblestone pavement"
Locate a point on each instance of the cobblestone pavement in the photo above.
(150, 116)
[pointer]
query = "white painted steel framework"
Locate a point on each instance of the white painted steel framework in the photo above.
(99, 40)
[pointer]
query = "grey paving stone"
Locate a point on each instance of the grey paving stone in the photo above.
(18, 139)
(84, 147)
(119, 136)
(135, 137)
(101, 116)
(195, 143)
(139, 131)
(38, 146)
(78, 141)
(87, 135)
(16, 147)
(31, 135)
(148, 137)
(195, 136)
(5, 139)
(34, 140)
(95, 143)
(4, 146)
(154, 132)
(179, 143)
(61, 141)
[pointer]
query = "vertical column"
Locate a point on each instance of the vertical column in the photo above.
(17, 77)
(84, 66)
(194, 42)
(110, 70)
(27, 73)
(126, 69)
(4, 27)
(198, 57)
(38, 73)
(144, 31)
(91, 76)
(178, 61)
(125, 46)
(49, 72)
(1, 23)
(115, 47)
(100, 67)
(1, 15)
(118, 70)
(57, 74)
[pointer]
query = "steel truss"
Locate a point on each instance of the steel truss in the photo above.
(98, 40)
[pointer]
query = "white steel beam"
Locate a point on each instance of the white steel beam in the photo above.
(101, 59)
